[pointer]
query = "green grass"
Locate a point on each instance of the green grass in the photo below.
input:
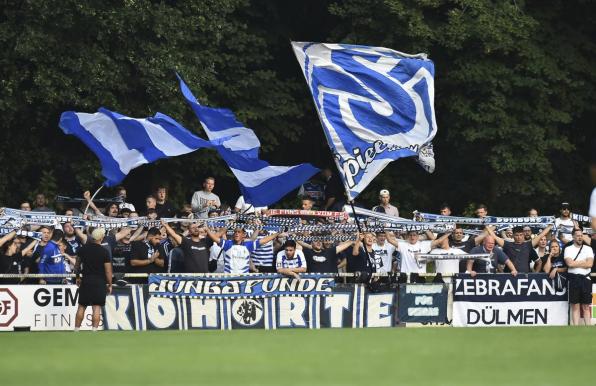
(388, 356)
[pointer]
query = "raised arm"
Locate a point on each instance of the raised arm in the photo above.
(9, 236)
(137, 234)
(171, 232)
(430, 235)
(122, 233)
(215, 236)
(491, 232)
(29, 248)
(339, 248)
(544, 232)
(357, 243)
(391, 239)
(266, 239)
(81, 235)
(439, 241)
(87, 196)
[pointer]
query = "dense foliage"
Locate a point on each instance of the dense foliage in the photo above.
(515, 90)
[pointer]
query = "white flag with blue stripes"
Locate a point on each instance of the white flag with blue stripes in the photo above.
(375, 104)
(122, 143)
(260, 183)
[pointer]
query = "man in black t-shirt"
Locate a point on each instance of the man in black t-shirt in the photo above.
(195, 248)
(323, 260)
(145, 256)
(521, 252)
(97, 278)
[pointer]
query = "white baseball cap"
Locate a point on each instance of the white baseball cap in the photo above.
(384, 192)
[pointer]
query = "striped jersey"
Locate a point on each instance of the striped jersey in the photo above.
(237, 256)
(298, 261)
(263, 255)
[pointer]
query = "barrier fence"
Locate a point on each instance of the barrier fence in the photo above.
(271, 301)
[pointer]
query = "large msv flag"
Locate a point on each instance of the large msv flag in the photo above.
(375, 105)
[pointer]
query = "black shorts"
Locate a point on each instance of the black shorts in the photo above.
(93, 291)
(580, 289)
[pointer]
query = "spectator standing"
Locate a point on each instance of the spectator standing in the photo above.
(383, 252)
(25, 206)
(564, 224)
(236, 252)
(195, 248)
(482, 266)
(384, 198)
(554, 262)
(411, 247)
(323, 260)
(579, 258)
(13, 260)
(41, 203)
(315, 190)
(97, 279)
(164, 208)
(52, 259)
(121, 192)
(446, 266)
(290, 261)
(204, 200)
(145, 255)
(520, 251)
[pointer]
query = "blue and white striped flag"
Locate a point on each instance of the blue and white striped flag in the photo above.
(122, 143)
(375, 104)
(260, 183)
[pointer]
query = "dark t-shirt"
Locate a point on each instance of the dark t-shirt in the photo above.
(196, 255)
(142, 250)
(361, 262)
(73, 246)
(14, 264)
(121, 257)
(520, 255)
(482, 266)
(165, 210)
(93, 257)
(324, 261)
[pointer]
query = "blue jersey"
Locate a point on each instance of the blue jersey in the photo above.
(237, 256)
(52, 261)
(263, 255)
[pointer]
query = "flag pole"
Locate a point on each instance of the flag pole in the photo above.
(92, 197)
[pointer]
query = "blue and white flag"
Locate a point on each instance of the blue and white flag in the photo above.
(260, 183)
(122, 143)
(375, 105)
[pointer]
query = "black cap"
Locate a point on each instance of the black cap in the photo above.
(565, 205)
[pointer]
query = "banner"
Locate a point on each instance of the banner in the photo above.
(423, 303)
(41, 308)
(350, 305)
(544, 220)
(504, 300)
(230, 287)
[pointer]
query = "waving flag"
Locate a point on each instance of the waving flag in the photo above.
(260, 183)
(375, 105)
(122, 143)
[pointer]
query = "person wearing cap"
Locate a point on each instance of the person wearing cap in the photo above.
(96, 282)
(384, 205)
(564, 224)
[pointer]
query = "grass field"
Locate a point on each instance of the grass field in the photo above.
(388, 356)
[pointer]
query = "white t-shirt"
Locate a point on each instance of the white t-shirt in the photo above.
(214, 254)
(586, 253)
(298, 261)
(383, 256)
(447, 266)
(567, 228)
(245, 208)
(592, 212)
(408, 260)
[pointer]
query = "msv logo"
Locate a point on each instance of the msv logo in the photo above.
(375, 104)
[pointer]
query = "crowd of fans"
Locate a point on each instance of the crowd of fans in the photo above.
(193, 247)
